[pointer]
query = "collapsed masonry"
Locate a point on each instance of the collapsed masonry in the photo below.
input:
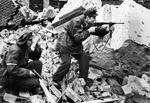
(127, 53)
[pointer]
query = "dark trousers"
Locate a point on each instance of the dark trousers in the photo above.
(27, 83)
(63, 69)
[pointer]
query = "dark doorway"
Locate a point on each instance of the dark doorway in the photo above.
(58, 3)
(36, 5)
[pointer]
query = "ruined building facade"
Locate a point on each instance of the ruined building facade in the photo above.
(38, 5)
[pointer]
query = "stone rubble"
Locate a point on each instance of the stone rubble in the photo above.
(119, 72)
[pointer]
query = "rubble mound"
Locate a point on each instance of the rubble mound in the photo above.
(131, 59)
(110, 68)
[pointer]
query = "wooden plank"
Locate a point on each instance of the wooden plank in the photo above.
(79, 9)
(47, 93)
(67, 17)
(102, 101)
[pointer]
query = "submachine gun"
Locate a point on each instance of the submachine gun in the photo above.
(110, 23)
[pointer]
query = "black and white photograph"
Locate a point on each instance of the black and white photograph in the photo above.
(74, 51)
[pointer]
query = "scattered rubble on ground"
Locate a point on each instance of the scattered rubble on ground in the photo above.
(119, 70)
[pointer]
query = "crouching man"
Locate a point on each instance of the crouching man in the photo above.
(16, 73)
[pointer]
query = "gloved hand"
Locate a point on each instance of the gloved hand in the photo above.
(108, 28)
(92, 29)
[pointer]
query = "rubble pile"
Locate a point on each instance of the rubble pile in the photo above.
(28, 13)
(119, 68)
(48, 12)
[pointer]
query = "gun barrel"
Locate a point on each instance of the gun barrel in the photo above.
(110, 23)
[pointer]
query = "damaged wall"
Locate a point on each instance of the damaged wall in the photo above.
(9, 14)
(136, 22)
(136, 27)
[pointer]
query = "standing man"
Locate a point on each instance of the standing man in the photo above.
(70, 44)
